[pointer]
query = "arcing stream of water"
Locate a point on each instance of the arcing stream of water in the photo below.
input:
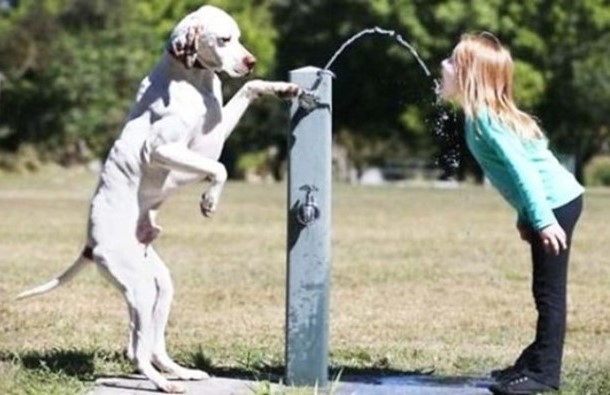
(309, 98)
(449, 158)
(378, 30)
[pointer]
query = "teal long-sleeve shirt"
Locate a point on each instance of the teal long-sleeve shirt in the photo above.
(525, 171)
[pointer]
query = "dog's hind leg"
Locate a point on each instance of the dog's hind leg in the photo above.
(131, 273)
(143, 299)
(130, 350)
(165, 293)
(131, 342)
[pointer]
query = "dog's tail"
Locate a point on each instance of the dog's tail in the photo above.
(63, 278)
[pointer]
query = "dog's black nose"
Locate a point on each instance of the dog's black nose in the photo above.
(250, 62)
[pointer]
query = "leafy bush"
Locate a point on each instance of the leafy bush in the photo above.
(71, 68)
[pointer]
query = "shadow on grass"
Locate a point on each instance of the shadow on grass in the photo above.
(82, 365)
(74, 363)
(382, 374)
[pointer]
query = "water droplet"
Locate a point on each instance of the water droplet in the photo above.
(449, 157)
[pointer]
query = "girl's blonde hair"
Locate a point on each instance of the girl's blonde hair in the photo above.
(485, 80)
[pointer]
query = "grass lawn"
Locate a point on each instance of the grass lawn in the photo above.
(422, 280)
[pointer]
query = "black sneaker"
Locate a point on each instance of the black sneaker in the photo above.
(500, 375)
(520, 385)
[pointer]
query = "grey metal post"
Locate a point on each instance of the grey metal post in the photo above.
(309, 221)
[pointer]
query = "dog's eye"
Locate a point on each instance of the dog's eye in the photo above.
(224, 40)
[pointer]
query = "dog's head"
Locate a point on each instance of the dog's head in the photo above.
(209, 38)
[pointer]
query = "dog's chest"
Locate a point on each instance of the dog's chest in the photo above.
(207, 139)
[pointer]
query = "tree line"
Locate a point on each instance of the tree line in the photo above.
(69, 71)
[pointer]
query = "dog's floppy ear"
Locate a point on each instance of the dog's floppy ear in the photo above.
(184, 44)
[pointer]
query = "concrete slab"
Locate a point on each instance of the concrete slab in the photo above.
(407, 385)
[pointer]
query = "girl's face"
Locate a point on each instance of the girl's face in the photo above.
(449, 87)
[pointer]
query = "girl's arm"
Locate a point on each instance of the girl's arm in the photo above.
(511, 151)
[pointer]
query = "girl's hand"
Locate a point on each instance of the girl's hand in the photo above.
(553, 239)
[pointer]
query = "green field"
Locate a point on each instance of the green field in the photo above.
(423, 279)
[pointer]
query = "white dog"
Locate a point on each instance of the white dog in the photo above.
(174, 136)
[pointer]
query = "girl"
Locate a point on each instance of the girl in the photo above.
(513, 153)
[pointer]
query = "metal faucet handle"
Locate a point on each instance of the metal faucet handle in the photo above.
(309, 100)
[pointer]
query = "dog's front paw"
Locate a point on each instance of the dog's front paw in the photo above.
(284, 90)
(208, 204)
